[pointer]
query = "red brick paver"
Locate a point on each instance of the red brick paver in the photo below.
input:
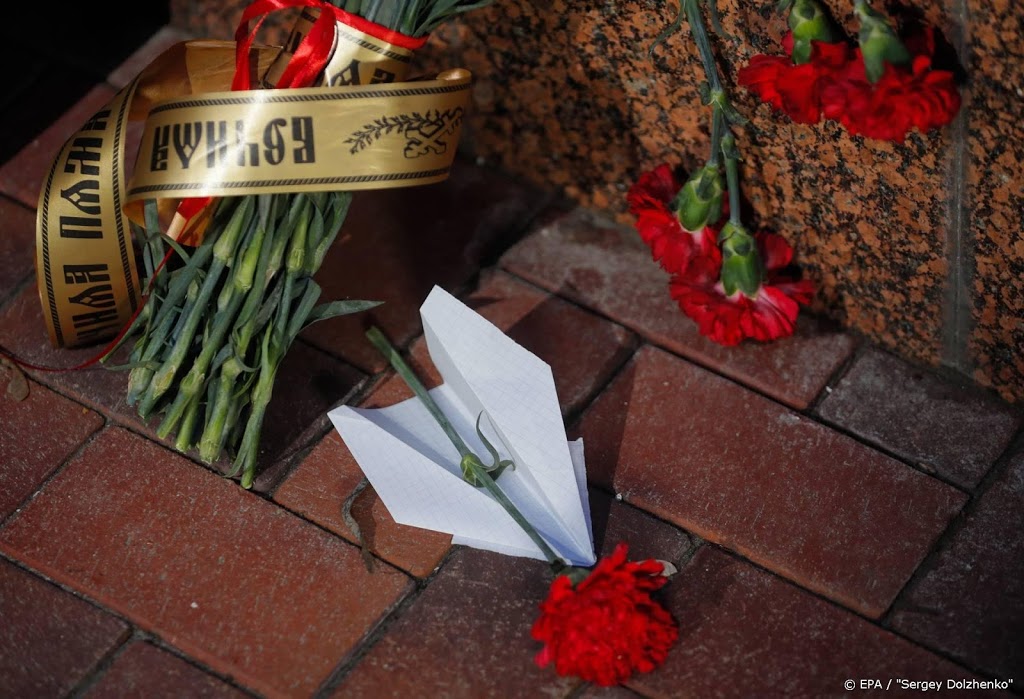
(943, 426)
(968, 603)
(740, 470)
(225, 576)
(607, 267)
(36, 436)
(49, 639)
(468, 634)
(397, 244)
(143, 671)
(17, 243)
(318, 489)
(746, 633)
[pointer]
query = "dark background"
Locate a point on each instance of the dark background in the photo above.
(54, 58)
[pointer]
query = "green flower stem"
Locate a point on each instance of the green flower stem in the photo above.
(278, 338)
(215, 432)
(470, 461)
(722, 139)
(718, 125)
(732, 176)
(229, 303)
(382, 344)
(188, 426)
(223, 252)
(700, 37)
(154, 339)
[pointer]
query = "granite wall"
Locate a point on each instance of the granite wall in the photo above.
(917, 245)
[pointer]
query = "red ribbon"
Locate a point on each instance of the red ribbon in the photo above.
(313, 52)
(305, 66)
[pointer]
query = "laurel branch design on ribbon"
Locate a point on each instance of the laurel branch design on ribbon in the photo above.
(425, 132)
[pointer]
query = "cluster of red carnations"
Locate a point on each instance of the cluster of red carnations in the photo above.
(694, 260)
(606, 627)
(835, 84)
(737, 285)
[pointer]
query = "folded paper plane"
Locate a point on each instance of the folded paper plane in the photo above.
(415, 469)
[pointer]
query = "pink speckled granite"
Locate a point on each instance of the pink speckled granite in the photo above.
(917, 245)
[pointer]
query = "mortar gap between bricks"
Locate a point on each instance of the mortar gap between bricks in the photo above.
(74, 592)
(696, 541)
(378, 631)
(75, 453)
(515, 233)
(267, 498)
(285, 463)
(839, 429)
(160, 642)
(860, 347)
(100, 669)
(644, 340)
(957, 523)
(874, 622)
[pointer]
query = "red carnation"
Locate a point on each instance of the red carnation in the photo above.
(905, 97)
(658, 225)
(727, 320)
(607, 627)
(795, 89)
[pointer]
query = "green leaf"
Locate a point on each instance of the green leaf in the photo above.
(333, 309)
(716, 20)
(669, 30)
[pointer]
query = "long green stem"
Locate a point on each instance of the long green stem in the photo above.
(469, 460)
(722, 139)
(718, 126)
(700, 37)
(223, 252)
(409, 376)
(732, 176)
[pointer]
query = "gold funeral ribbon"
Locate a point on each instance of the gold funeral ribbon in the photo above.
(364, 128)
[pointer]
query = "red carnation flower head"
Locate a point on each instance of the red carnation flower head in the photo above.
(904, 98)
(792, 89)
(767, 312)
(652, 200)
(607, 627)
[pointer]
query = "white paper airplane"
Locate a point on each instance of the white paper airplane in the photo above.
(415, 469)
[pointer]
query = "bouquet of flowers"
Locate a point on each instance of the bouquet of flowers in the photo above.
(228, 280)
(213, 383)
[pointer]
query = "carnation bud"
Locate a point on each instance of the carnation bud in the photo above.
(879, 43)
(467, 464)
(742, 268)
(809, 23)
(699, 202)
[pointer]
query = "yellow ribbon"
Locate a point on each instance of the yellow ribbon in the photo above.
(364, 129)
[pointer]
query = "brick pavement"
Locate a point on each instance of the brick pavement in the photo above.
(835, 512)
